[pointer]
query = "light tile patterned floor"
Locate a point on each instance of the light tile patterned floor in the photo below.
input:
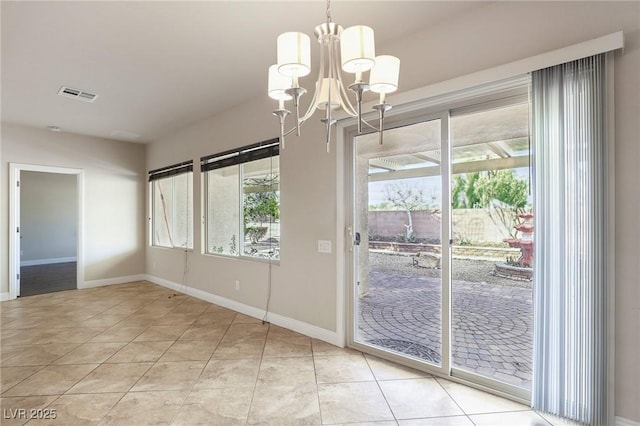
(139, 354)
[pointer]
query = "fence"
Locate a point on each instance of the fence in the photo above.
(472, 225)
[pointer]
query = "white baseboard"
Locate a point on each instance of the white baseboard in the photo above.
(48, 261)
(621, 421)
(4, 296)
(279, 320)
(112, 281)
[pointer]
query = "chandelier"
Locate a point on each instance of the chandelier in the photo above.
(352, 49)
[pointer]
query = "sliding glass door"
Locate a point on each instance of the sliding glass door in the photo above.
(492, 251)
(442, 242)
(399, 281)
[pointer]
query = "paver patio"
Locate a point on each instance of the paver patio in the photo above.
(492, 324)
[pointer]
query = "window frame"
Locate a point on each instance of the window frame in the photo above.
(172, 171)
(238, 157)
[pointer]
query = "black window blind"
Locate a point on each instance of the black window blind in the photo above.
(245, 154)
(176, 169)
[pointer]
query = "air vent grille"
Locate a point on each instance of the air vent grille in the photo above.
(81, 95)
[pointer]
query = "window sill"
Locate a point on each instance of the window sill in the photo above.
(181, 249)
(244, 258)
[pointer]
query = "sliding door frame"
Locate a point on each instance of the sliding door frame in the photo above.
(351, 249)
(422, 111)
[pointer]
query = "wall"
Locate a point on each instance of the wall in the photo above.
(114, 187)
(48, 216)
(304, 285)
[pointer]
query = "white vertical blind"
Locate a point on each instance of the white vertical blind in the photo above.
(570, 294)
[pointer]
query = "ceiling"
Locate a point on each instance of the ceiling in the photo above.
(159, 66)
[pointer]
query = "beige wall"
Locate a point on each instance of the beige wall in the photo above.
(492, 35)
(114, 182)
(48, 216)
(307, 190)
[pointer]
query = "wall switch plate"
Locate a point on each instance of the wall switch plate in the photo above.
(324, 246)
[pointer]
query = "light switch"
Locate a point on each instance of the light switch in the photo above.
(324, 246)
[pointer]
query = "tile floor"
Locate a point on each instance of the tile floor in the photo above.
(138, 354)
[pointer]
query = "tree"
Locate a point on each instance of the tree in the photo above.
(464, 193)
(500, 192)
(505, 196)
(504, 186)
(261, 204)
(407, 198)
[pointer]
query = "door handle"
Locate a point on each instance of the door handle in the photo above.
(357, 239)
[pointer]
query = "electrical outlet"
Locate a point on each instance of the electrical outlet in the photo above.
(237, 285)
(324, 246)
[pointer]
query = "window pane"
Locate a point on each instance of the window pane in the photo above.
(491, 272)
(223, 214)
(183, 210)
(162, 200)
(173, 211)
(261, 208)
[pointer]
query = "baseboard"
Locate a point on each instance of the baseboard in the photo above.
(112, 281)
(279, 320)
(4, 296)
(621, 421)
(48, 261)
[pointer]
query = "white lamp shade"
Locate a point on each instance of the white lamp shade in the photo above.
(357, 47)
(323, 96)
(384, 75)
(278, 83)
(294, 54)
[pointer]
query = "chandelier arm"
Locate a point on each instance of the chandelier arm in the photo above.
(312, 105)
(347, 106)
(288, 132)
(371, 126)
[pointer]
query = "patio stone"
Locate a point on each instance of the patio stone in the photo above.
(492, 323)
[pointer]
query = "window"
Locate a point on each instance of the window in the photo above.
(243, 201)
(172, 206)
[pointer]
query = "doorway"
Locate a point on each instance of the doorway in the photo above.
(441, 212)
(45, 215)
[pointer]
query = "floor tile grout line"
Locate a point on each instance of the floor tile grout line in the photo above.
(380, 388)
(255, 384)
(453, 399)
(315, 375)
(468, 415)
(2, 391)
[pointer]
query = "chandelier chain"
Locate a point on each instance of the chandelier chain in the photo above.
(328, 10)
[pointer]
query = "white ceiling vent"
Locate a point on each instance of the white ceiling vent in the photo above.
(81, 95)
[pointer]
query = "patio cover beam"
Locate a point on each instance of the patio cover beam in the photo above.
(468, 167)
